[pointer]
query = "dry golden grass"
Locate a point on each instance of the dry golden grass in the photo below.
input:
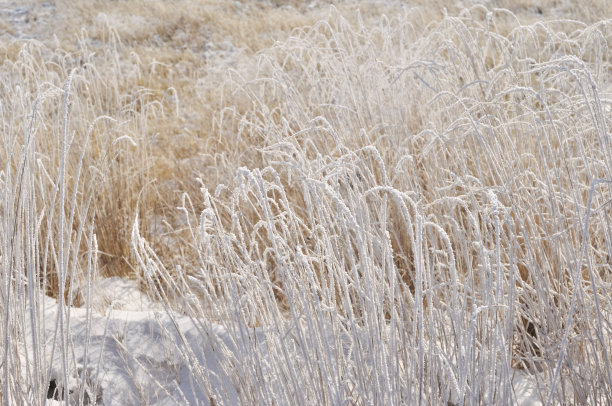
(158, 69)
(487, 166)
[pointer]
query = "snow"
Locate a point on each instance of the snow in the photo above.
(133, 353)
(525, 389)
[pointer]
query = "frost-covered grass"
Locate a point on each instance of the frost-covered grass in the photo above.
(408, 208)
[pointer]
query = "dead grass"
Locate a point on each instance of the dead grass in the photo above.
(428, 145)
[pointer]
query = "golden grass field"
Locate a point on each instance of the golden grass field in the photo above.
(453, 158)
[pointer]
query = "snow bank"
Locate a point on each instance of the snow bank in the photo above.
(133, 355)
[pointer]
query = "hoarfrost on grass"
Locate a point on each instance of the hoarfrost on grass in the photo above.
(407, 208)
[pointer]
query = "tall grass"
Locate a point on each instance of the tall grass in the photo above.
(417, 212)
(62, 192)
(379, 210)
